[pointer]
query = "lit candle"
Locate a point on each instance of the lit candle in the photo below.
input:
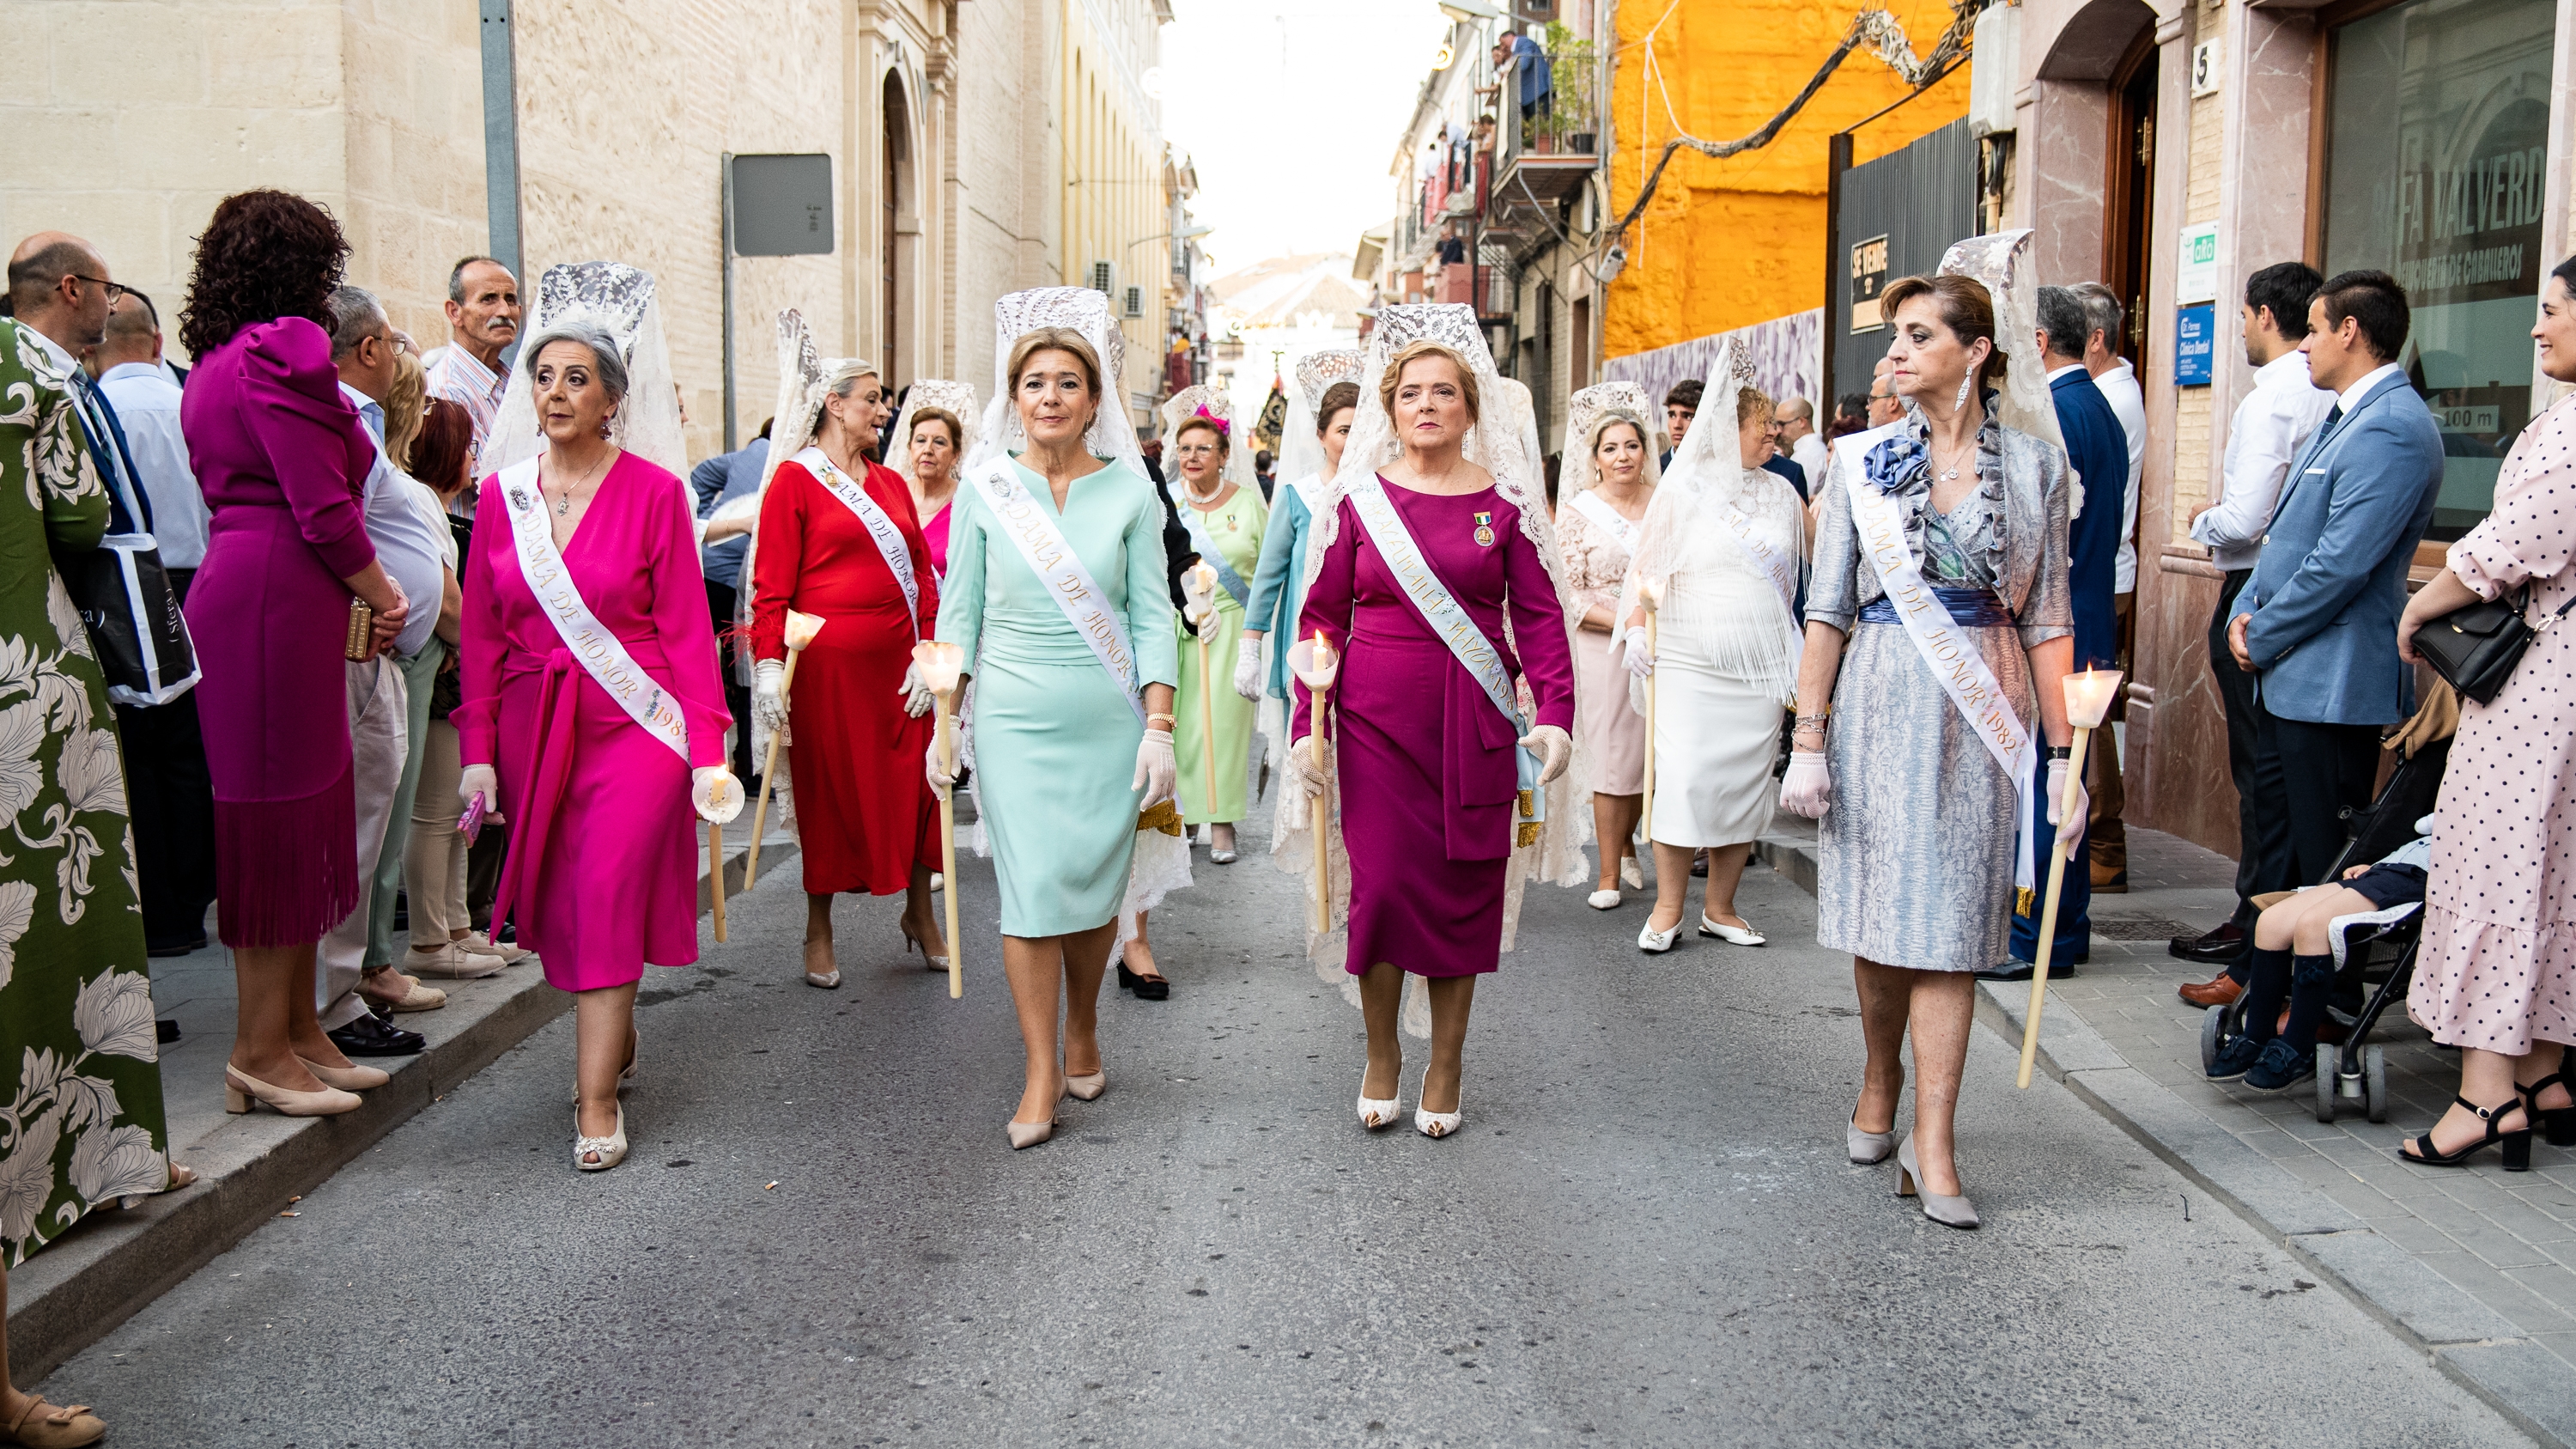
(1315, 662)
(1650, 593)
(2089, 696)
(939, 664)
(801, 628)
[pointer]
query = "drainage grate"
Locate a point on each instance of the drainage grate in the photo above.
(2138, 928)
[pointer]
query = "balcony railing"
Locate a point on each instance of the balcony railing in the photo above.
(1562, 123)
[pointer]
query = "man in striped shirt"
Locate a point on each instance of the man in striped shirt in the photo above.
(482, 321)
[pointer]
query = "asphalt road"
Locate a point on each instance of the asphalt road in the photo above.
(1646, 1234)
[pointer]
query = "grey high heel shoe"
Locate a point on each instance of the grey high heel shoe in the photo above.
(1868, 1149)
(1949, 1212)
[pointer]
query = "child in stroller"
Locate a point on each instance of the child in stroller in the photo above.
(2298, 951)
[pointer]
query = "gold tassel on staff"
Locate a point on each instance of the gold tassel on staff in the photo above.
(2088, 699)
(801, 629)
(939, 665)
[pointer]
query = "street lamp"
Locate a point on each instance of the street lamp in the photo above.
(1185, 234)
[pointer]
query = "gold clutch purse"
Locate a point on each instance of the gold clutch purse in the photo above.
(362, 628)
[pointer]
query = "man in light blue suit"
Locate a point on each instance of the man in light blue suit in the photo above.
(2317, 621)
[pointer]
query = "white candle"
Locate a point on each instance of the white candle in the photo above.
(939, 664)
(1650, 592)
(2089, 696)
(1315, 662)
(801, 628)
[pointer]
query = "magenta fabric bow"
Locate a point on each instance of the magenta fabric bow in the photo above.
(1222, 425)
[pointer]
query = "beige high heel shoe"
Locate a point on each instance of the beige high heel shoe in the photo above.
(347, 1079)
(611, 1148)
(241, 1089)
(912, 942)
(1949, 1212)
(1028, 1134)
(1087, 1089)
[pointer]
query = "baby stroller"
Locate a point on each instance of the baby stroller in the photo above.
(2376, 956)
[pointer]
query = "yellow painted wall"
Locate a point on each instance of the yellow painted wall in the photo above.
(1727, 243)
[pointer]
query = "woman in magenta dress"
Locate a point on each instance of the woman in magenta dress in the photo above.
(931, 437)
(603, 865)
(283, 462)
(1432, 790)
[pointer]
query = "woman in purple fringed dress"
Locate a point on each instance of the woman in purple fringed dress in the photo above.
(284, 463)
(1427, 763)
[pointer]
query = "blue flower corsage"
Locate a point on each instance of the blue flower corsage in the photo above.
(1889, 465)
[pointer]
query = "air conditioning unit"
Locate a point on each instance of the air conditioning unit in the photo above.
(1132, 305)
(1104, 278)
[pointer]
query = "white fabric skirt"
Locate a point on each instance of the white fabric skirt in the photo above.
(1716, 738)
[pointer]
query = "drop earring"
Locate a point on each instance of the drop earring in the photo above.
(1966, 383)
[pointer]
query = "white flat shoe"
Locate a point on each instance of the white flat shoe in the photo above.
(611, 1149)
(1631, 874)
(1732, 935)
(1436, 1124)
(1603, 900)
(1655, 942)
(831, 980)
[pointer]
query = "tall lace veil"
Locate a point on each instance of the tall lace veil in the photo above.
(617, 299)
(1186, 404)
(1113, 432)
(1301, 451)
(2001, 263)
(1504, 442)
(957, 399)
(1696, 507)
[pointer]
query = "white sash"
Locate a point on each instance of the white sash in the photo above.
(1607, 519)
(1953, 660)
(1043, 547)
(889, 537)
(1780, 568)
(1450, 620)
(601, 653)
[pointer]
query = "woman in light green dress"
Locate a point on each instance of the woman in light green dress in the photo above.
(1226, 522)
(1063, 763)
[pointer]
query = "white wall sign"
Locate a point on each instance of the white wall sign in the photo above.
(2196, 264)
(2208, 66)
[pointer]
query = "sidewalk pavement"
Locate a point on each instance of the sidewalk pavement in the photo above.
(2475, 1265)
(251, 1168)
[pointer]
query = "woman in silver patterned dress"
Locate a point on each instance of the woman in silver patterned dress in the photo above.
(1916, 859)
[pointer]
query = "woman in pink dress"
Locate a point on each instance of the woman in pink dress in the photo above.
(928, 447)
(1427, 765)
(2496, 974)
(603, 864)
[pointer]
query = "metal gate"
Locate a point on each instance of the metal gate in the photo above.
(1891, 218)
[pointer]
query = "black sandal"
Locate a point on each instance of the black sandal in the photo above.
(2517, 1144)
(2557, 1124)
(1147, 988)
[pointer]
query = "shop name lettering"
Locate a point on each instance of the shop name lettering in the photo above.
(2491, 193)
(2462, 269)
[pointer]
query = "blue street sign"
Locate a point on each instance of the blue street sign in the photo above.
(2195, 343)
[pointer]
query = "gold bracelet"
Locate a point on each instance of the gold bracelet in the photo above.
(1168, 720)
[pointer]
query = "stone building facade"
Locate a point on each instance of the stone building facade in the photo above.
(967, 143)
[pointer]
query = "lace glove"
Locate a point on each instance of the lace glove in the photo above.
(1807, 789)
(716, 793)
(1640, 662)
(1247, 668)
(1555, 749)
(916, 695)
(479, 780)
(942, 778)
(1202, 619)
(1302, 769)
(1157, 769)
(2070, 830)
(769, 694)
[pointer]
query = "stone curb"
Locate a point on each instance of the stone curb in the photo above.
(76, 1291)
(2473, 1344)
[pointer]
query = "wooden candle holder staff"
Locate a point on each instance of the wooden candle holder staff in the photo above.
(1198, 585)
(801, 629)
(939, 665)
(1650, 595)
(1317, 664)
(718, 802)
(2088, 699)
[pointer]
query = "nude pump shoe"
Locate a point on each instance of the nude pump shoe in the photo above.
(1087, 1089)
(349, 1078)
(241, 1089)
(1949, 1212)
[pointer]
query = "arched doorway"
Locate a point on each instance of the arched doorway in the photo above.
(895, 193)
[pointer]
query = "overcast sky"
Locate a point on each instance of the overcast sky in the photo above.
(1291, 109)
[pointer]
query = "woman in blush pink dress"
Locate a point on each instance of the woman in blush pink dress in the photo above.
(603, 865)
(2496, 975)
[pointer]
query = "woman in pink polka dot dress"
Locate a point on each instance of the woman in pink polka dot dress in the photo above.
(2497, 972)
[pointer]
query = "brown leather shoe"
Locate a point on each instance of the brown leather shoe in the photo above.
(2110, 880)
(2221, 992)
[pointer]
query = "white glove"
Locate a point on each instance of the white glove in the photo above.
(1247, 667)
(1201, 618)
(1555, 750)
(1641, 663)
(916, 695)
(942, 778)
(1157, 769)
(479, 780)
(1302, 768)
(2070, 830)
(1808, 789)
(769, 694)
(716, 793)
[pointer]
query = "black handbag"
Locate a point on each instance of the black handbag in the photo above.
(2475, 648)
(124, 594)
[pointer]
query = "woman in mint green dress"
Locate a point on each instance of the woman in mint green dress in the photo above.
(1214, 735)
(1056, 590)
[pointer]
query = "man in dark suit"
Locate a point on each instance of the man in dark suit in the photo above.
(2317, 620)
(2097, 454)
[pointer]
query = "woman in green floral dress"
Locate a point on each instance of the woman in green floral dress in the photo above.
(82, 1122)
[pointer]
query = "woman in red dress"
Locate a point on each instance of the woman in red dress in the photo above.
(838, 538)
